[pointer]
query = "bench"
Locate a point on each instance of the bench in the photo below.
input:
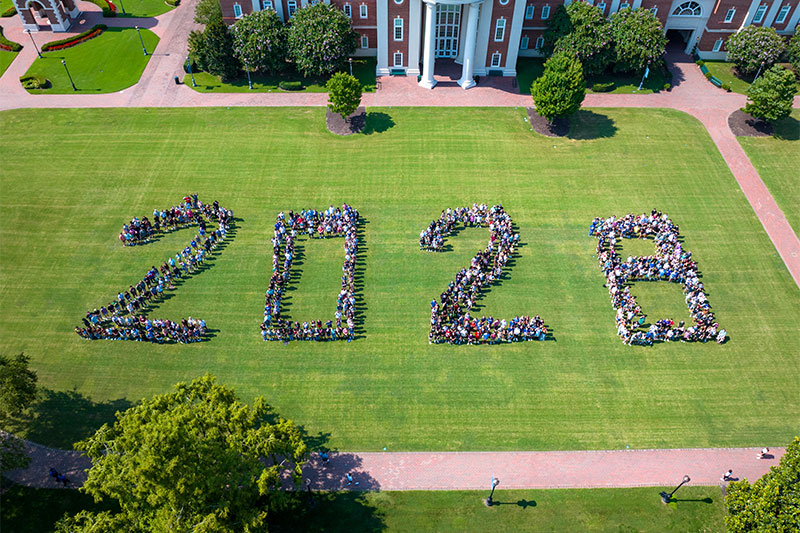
(397, 72)
(715, 81)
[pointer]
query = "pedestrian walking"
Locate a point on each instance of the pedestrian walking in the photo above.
(764, 453)
(727, 475)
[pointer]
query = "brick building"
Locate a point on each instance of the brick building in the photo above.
(53, 15)
(486, 36)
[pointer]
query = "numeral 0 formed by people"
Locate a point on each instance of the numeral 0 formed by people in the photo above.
(125, 317)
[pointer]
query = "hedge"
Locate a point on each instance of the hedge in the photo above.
(109, 9)
(34, 82)
(291, 85)
(603, 87)
(77, 39)
(5, 44)
(172, 3)
(10, 12)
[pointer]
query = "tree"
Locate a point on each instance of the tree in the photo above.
(754, 48)
(321, 39)
(207, 11)
(771, 95)
(560, 90)
(772, 503)
(17, 385)
(559, 25)
(590, 39)
(344, 94)
(260, 40)
(212, 50)
(12, 453)
(196, 459)
(638, 39)
(793, 51)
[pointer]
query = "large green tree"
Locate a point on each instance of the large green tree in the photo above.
(344, 94)
(196, 459)
(772, 503)
(207, 11)
(560, 90)
(638, 39)
(589, 39)
(754, 48)
(793, 51)
(212, 50)
(321, 39)
(771, 96)
(17, 385)
(259, 39)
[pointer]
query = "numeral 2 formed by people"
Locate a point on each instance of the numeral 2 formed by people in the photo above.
(125, 317)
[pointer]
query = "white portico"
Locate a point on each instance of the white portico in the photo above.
(441, 37)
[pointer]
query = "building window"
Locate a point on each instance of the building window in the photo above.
(782, 15)
(688, 9)
(545, 12)
(624, 5)
(398, 59)
(503, 2)
(759, 16)
(529, 12)
(496, 59)
(348, 10)
(654, 10)
(363, 13)
(237, 11)
(602, 7)
(590, 2)
(500, 30)
(314, 2)
(539, 43)
(523, 43)
(364, 41)
(292, 7)
(266, 4)
(729, 15)
(398, 29)
(398, 2)
(717, 45)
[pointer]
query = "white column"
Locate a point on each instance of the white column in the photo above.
(427, 80)
(278, 5)
(485, 29)
(772, 13)
(414, 26)
(382, 14)
(514, 38)
(468, 64)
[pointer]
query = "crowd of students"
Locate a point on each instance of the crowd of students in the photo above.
(450, 318)
(122, 319)
(670, 262)
(332, 222)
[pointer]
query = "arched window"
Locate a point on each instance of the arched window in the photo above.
(688, 9)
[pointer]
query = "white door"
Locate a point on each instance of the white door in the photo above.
(448, 19)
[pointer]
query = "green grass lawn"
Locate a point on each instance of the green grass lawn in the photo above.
(6, 58)
(725, 72)
(637, 509)
(106, 64)
(363, 69)
(530, 68)
(63, 208)
(141, 8)
(777, 160)
(5, 5)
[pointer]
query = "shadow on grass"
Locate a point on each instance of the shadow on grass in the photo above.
(690, 500)
(787, 129)
(377, 123)
(587, 125)
(329, 512)
(521, 503)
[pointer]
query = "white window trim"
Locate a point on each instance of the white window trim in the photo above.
(397, 26)
(529, 11)
(624, 5)
(523, 43)
(761, 10)
(291, 7)
(782, 14)
(503, 2)
(602, 7)
(717, 45)
(545, 12)
(267, 4)
(398, 2)
(499, 57)
(730, 15)
(237, 7)
(500, 26)
(348, 10)
(397, 55)
(362, 11)
(654, 10)
(539, 43)
(364, 41)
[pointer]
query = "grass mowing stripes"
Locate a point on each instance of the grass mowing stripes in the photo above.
(63, 207)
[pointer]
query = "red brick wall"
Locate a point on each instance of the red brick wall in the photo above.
(395, 11)
(708, 39)
(716, 21)
(499, 11)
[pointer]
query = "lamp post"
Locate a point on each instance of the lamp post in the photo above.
(189, 66)
(249, 81)
(665, 498)
(350, 60)
(495, 482)
(69, 75)
(34, 43)
(311, 501)
(123, 7)
(144, 50)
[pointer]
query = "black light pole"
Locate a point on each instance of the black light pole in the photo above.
(249, 82)
(189, 65)
(69, 75)
(34, 43)
(123, 7)
(495, 482)
(311, 501)
(350, 60)
(141, 40)
(665, 498)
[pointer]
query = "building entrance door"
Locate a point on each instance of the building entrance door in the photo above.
(448, 19)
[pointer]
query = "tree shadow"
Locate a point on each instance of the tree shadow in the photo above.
(344, 512)
(787, 129)
(587, 125)
(377, 122)
(32, 510)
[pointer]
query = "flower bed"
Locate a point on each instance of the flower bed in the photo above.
(77, 39)
(7, 45)
(109, 9)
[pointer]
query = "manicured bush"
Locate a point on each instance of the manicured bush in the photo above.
(639, 39)
(560, 90)
(667, 86)
(34, 82)
(259, 40)
(793, 51)
(212, 49)
(321, 39)
(344, 94)
(291, 85)
(589, 41)
(603, 87)
(753, 48)
(7, 45)
(700, 62)
(771, 95)
(708, 75)
(726, 86)
(75, 39)
(10, 12)
(109, 9)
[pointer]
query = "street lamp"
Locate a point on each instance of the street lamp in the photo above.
(495, 482)
(249, 82)
(350, 60)
(665, 498)
(311, 501)
(123, 7)
(141, 40)
(189, 66)
(69, 75)
(34, 43)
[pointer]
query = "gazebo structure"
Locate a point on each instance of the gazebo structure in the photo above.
(44, 15)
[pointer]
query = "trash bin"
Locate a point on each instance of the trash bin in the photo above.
(177, 81)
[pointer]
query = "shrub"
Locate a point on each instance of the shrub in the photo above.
(291, 85)
(344, 94)
(708, 75)
(753, 48)
(771, 96)
(10, 12)
(10, 46)
(639, 39)
(259, 39)
(590, 39)
(793, 51)
(667, 86)
(75, 39)
(603, 87)
(34, 81)
(726, 86)
(321, 39)
(173, 3)
(207, 11)
(700, 62)
(560, 90)
(212, 49)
